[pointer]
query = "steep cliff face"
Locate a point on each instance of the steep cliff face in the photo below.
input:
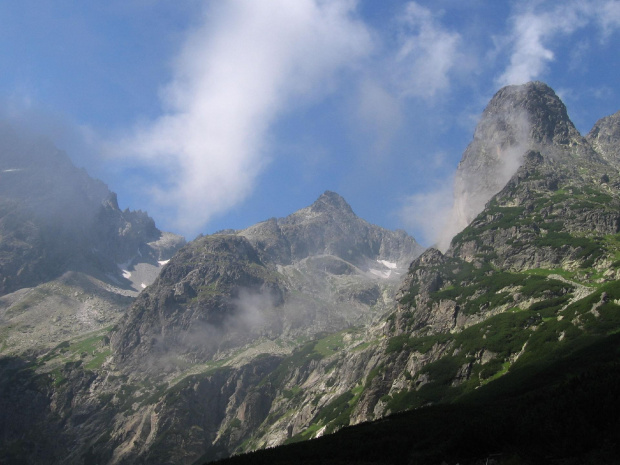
(605, 138)
(534, 258)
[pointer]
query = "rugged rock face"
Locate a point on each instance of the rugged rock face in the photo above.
(517, 119)
(209, 335)
(605, 138)
(525, 279)
(330, 227)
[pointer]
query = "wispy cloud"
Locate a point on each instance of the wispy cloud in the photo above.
(379, 117)
(429, 214)
(609, 17)
(427, 54)
(244, 67)
(537, 26)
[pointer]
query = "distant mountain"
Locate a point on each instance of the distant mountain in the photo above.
(55, 218)
(319, 269)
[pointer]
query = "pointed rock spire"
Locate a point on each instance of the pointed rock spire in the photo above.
(331, 201)
(516, 120)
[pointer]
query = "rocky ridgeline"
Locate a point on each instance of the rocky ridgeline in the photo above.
(321, 268)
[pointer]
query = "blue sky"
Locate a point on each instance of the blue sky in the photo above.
(220, 114)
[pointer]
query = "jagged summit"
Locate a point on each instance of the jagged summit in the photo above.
(330, 207)
(329, 226)
(545, 112)
(518, 119)
(331, 202)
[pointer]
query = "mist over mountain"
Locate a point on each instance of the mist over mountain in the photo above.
(517, 119)
(70, 260)
(56, 218)
(321, 268)
(297, 327)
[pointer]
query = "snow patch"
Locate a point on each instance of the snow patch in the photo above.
(163, 262)
(143, 286)
(126, 274)
(385, 274)
(390, 265)
(12, 170)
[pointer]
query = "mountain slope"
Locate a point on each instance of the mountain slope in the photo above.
(321, 268)
(70, 259)
(564, 412)
(530, 280)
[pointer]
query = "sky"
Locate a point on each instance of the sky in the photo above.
(219, 114)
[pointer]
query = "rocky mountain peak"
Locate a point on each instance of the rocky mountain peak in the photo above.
(518, 119)
(332, 202)
(538, 103)
(330, 227)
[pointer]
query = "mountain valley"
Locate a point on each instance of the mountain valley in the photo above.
(121, 344)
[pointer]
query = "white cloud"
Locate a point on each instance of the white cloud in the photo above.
(246, 65)
(379, 116)
(537, 26)
(427, 54)
(429, 214)
(609, 17)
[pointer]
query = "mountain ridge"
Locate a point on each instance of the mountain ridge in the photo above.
(298, 327)
(64, 220)
(261, 263)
